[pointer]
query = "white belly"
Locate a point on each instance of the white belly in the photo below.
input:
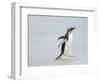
(67, 51)
(68, 44)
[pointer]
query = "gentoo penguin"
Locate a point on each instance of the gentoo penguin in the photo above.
(66, 43)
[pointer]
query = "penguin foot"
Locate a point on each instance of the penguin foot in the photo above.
(65, 58)
(71, 56)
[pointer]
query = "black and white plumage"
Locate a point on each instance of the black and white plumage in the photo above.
(66, 43)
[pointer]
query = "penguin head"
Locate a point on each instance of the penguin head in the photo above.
(71, 29)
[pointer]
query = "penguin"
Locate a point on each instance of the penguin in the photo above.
(66, 43)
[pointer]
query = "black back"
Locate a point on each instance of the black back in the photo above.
(67, 34)
(63, 47)
(62, 50)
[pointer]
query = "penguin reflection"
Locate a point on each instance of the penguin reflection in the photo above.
(66, 44)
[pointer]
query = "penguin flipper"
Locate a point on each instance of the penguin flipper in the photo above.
(62, 37)
(62, 50)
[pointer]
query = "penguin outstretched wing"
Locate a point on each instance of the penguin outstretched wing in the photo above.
(62, 37)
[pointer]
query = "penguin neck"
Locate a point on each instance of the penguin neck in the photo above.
(70, 36)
